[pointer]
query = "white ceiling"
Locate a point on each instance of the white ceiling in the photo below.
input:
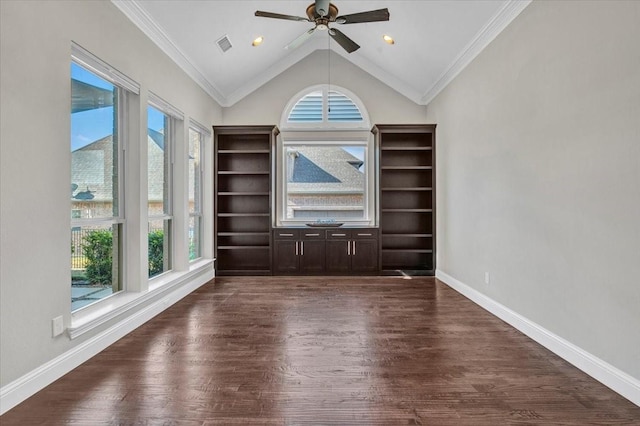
(434, 40)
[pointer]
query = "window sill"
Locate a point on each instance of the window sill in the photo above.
(106, 310)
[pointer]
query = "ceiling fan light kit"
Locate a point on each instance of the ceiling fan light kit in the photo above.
(322, 13)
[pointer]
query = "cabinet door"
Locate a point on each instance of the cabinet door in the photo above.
(286, 256)
(312, 256)
(364, 256)
(338, 256)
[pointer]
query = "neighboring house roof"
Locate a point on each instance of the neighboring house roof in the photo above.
(326, 169)
(91, 169)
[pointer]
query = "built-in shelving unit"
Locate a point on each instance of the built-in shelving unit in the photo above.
(243, 188)
(407, 198)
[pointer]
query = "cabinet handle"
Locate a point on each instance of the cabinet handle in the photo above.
(338, 235)
(296, 248)
(312, 235)
(348, 248)
(364, 235)
(301, 248)
(285, 235)
(354, 248)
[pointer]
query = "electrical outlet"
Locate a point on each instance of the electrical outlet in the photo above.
(57, 326)
(487, 278)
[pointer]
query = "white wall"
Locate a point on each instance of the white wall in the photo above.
(265, 105)
(539, 174)
(35, 159)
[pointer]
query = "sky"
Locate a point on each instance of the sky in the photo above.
(90, 126)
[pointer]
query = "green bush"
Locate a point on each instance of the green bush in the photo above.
(97, 248)
(156, 252)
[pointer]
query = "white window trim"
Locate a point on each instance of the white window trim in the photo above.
(170, 138)
(96, 65)
(198, 128)
(125, 86)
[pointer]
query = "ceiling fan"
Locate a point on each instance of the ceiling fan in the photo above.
(323, 13)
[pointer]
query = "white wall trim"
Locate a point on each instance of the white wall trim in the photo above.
(143, 21)
(610, 376)
(485, 36)
(22, 388)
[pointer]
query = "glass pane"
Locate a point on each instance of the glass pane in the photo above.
(158, 162)
(95, 263)
(194, 237)
(325, 182)
(159, 246)
(342, 108)
(94, 146)
(308, 109)
(195, 142)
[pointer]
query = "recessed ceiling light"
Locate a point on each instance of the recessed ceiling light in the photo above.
(258, 41)
(388, 39)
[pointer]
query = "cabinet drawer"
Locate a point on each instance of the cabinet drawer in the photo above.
(313, 234)
(338, 234)
(364, 234)
(286, 234)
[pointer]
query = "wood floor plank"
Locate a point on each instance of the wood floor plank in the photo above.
(330, 351)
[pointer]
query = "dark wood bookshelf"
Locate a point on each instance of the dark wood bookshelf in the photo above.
(243, 185)
(407, 198)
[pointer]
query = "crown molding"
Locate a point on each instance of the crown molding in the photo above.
(147, 25)
(485, 36)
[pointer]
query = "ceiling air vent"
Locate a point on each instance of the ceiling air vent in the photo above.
(224, 44)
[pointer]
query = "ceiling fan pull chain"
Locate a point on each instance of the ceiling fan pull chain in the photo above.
(329, 76)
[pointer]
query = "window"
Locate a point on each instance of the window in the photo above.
(325, 181)
(321, 107)
(98, 122)
(159, 141)
(194, 158)
(325, 159)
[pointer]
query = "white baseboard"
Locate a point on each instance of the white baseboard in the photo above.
(617, 380)
(22, 388)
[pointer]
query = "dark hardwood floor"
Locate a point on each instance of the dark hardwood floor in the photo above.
(325, 351)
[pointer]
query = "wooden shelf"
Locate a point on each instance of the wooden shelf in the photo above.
(408, 235)
(243, 173)
(406, 168)
(243, 200)
(406, 210)
(243, 214)
(406, 189)
(406, 251)
(243, 151)
(231, 194)
(242, 234)
(243, 247)
(407, 199)
(405, 148)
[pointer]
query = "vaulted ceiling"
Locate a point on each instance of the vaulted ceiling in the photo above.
(434, 40)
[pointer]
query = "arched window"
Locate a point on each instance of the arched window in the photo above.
(324, 107)
(325, 159)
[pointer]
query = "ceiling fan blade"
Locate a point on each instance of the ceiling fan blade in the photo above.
(370, 16)
(347, 44)
(280, 16)
(301, 39)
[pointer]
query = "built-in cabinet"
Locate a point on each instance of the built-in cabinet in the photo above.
(243, 190)
(407, 198)
(246, 244)
(320, 251)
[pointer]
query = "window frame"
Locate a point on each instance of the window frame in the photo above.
(198, 196)
(326, 132)
(167, 216)
(325, 124)
(124, 87)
